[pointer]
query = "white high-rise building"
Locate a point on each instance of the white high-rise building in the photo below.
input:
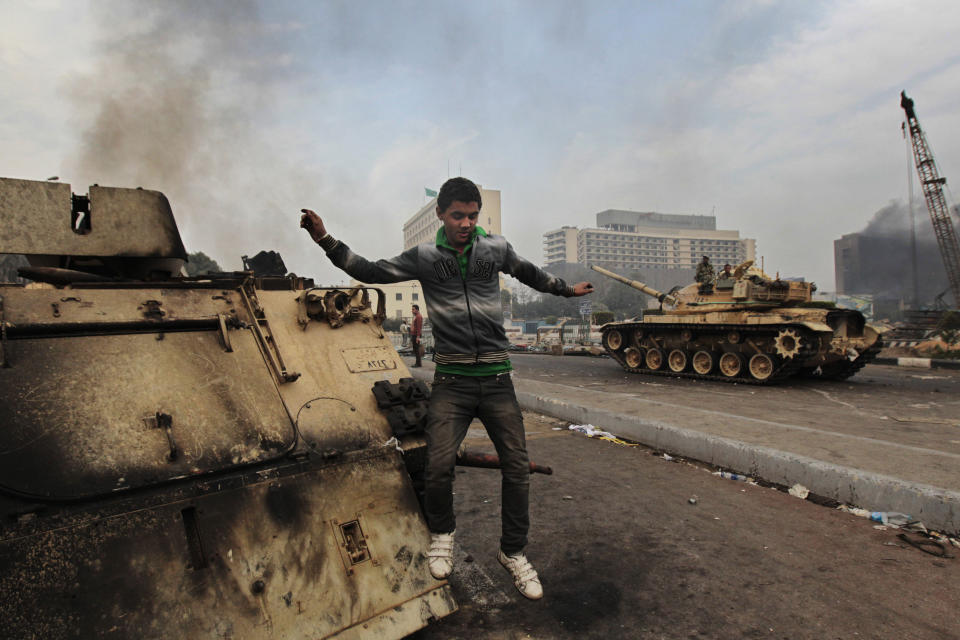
(633, 240)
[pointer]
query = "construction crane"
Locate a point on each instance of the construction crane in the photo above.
(932, 185)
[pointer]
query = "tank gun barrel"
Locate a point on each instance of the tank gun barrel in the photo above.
(639, 286)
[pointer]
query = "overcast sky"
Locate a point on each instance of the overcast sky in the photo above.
(782, 119)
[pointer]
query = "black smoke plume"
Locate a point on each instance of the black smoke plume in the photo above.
(174, 103)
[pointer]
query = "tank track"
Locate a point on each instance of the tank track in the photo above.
(786, 368)
(847, 369)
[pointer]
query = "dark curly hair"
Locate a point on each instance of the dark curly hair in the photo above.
(458, 189)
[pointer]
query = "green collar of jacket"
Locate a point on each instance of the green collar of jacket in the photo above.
(443, 242)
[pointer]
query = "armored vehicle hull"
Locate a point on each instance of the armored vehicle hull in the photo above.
(748, 332)
(196, 457)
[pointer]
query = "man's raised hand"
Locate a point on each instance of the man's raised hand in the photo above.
(582, 288)
(313, 224)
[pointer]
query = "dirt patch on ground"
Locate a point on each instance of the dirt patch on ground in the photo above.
(623, 553)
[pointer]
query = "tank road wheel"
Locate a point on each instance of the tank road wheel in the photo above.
(703, 362)
(677, 360)
(787, 343)
(731, 364)
(613, 340)
(654, 359)
(761, 366)
(733, 337)
(633, 357)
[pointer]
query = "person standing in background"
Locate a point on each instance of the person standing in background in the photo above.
(416, 335)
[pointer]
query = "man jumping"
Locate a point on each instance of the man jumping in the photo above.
(459, 275)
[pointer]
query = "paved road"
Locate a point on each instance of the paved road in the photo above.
(605, 369)
(916, 407)
(887, 439)
(623, 554)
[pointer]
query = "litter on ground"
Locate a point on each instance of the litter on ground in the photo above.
(592, 432)
(729, 475)
(799, 491)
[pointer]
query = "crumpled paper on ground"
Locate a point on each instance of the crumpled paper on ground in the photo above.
(592, 432)
(799, 491)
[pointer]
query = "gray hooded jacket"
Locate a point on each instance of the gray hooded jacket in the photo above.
(465, 313)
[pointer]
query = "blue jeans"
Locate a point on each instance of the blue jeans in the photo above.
(454, 402)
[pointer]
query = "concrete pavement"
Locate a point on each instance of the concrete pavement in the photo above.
(856, 462)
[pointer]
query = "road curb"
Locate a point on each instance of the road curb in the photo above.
(937, 508)
(922, 363)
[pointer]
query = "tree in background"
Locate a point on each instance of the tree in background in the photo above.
(505, 301)
(602, 317)
(9, 263)
(391, 324)
(200, 264)
(949, 327)
(618, 298)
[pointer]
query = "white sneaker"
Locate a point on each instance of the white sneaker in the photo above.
(440, 555)
(524, 576)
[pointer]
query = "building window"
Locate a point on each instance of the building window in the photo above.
(416, 296)
(399, 297)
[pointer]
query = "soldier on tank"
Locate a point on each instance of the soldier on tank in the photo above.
(726, 280)
(705, 275)
(705, 271)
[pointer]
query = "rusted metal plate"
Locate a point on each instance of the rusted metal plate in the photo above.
(80, 413)
(37, 220)
(261, 561)
(335, 407)
(370, 359)
(51, 308)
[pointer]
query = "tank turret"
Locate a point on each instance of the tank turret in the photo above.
(95, 233)
(745, 287)
(741, 326)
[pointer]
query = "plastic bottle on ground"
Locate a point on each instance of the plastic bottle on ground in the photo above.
(729, 475)
(890, 517)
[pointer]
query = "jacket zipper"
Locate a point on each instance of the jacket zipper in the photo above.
(466, 297)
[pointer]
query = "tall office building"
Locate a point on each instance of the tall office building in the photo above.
(882, 266)
(633, 240)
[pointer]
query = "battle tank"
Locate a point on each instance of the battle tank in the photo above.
(196, 457)
(744, 327)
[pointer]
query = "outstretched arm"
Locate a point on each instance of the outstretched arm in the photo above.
(535, 277)
(313, 224)
(398, 269)
(582, 288)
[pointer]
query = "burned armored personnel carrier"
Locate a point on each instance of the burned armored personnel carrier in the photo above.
(743, 328)
(195, 457)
